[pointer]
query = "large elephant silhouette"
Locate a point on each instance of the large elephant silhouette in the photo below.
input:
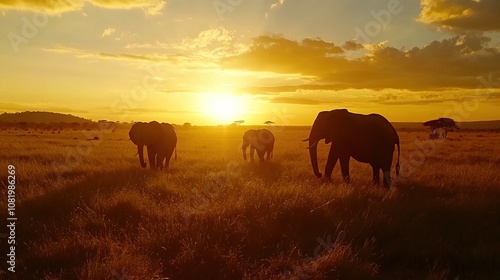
(160, 140)
(366, 138)
(261, 140)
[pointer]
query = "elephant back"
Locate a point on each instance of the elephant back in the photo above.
(169, 132)
(265, 136)
(146, 133)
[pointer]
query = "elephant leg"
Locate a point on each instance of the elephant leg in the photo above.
(333, 156)
(152, 157)
(387, 178)
(244, 151)
(261, 153)
(170, 152)
(159, 161)
(376, 174)
(252, 151)
(271, 152)
(344, 168)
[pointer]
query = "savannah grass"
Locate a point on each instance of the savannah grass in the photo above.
(214, 216)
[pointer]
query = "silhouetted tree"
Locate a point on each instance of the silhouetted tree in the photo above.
(269, 123)
(445, 124)
(239, 122)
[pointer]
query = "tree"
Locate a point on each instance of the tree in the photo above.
(239, 122)
(269, 123)
(444, 124)
(187, 124)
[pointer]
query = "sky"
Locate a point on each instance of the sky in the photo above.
(211, 62)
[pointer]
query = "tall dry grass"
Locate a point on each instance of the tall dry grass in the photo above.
(214, 216)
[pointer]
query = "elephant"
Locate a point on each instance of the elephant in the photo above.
(261, 140)
(366, 138)
(160, 140)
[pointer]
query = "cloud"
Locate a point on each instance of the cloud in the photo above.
(277, 4)
(150, 110)
(181, 62)
(51, 6)
(141, 46)
(281, 55)
(60, 6)
(456, 62)
(150, 6)
(352, 45)
(291, 89)
(293, 100)
(211, 36)
(124, 56)
(460, 15)
(108, 32)
(15, 107)
(321, 46)
(494, 95)
(212, 43)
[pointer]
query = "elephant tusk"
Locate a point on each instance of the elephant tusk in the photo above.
(305, 140)
(314, 144)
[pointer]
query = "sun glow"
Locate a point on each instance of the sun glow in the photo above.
(223, 107)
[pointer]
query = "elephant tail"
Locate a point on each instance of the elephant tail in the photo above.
(397, 164)
(175, 150)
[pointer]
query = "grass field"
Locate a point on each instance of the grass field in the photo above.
(86, 210)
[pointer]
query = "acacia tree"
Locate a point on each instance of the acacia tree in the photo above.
(444, 124)
(269, 123)
(239, 122)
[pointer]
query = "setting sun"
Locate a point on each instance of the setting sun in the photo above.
(223, 107)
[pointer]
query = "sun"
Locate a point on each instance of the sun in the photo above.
(223, 107)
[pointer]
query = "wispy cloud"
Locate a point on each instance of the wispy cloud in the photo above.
(297, 101)
(277, 4)
(81, 53)
(213, 43)
(14, 107)
(59, 6)
(108, 32)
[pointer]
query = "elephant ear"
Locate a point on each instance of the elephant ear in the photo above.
(136, 133)
(339, 123)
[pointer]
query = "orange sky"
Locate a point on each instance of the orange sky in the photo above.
(213, 62)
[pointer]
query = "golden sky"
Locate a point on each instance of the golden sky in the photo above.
(212, 62)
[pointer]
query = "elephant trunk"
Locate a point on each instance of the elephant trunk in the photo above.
(244, 150)
(313, 154)
(140, 151)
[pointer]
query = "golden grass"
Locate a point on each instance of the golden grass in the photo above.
(214, 216)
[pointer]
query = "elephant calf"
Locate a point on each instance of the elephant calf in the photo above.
(261, 140)
(160, 140)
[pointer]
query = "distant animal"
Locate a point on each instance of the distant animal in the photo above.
(366, 138)
(160, 140)
(261, 140)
